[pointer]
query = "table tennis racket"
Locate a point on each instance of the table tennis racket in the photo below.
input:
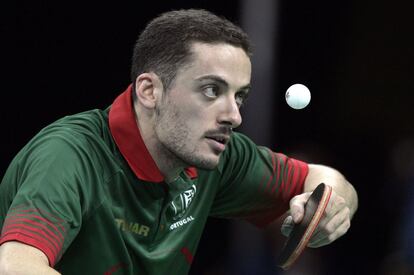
(302, 232)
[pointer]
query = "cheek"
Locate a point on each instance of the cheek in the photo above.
(193, 114)
(190, 113)
(196, 120)
(185, 122)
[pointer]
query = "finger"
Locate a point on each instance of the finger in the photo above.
(341, 230)
(287, 226)
(334, 214)
(333, 230)
(335, 205)
(329, 225)
(297, 206)
(332, 226)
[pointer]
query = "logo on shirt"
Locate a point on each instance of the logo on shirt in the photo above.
(180, 204)
(181, 222)
(133, 227)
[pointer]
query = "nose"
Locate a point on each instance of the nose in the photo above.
(230, 114)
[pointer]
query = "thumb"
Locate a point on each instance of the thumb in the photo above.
(297, 206)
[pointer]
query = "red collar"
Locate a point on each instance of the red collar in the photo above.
(125, 132)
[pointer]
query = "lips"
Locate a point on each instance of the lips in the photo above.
(218, 142)
(223, 139)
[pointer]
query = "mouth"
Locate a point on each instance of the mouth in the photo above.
(219, 138)
(218, 142)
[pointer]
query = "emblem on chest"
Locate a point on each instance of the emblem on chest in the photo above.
(179, 205)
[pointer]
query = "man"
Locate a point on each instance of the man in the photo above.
(128, 190)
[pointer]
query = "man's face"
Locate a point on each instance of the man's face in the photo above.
(196, 115)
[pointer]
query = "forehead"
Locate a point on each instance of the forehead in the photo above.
(223, 60)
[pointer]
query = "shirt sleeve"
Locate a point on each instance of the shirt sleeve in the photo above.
(256, 183)
(43, 199)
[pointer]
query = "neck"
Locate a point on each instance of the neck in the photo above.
(169, 165)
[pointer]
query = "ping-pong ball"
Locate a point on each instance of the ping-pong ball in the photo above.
(298, 96)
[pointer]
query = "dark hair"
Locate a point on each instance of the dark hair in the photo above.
(163, 47)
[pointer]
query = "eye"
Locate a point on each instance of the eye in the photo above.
(241, 98)
(211, 91)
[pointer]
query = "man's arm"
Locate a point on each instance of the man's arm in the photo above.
(339, 212)
(18, 258)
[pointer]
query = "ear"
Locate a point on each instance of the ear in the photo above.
(149, 89)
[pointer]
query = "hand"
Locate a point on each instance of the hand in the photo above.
(334, 223)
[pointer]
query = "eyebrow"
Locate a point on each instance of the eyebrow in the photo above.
(216, 78)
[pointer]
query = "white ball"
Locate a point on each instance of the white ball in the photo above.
(298, 96)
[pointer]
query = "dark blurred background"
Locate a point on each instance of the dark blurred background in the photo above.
(356, 57)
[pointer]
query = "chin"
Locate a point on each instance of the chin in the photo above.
(205, 163)
(209, 166)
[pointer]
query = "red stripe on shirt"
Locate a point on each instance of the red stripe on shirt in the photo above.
(268, 185)
(278, 171)
(31, 240)
(187, 254)
(18, 209)
(294, 172)
(43, 231)
(299, 175)
(289, 170)
(29, 218)
(37, 228)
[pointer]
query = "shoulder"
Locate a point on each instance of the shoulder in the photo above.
(73, 143)
(240, 151)
(240, 143)
(88, 122)
(74, 130)
(241, 146)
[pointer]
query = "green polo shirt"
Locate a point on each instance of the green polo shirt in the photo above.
(87, 193)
